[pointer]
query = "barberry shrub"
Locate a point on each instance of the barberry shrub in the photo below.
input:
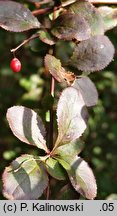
(82, 26)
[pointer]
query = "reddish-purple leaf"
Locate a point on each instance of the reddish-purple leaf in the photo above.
(24, 179)
(16, 17)
(71, 116)
(87, 89)
(93, 54)
(70, 26)
(90, 13)
(82, 178)
(27, 126)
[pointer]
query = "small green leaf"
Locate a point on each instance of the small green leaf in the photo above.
(17, 18)
(90, 13)
(27, 126)
(63, 163)
(82, 178)
(70, 150)
(58, 12)
(24, 179)
(53, 65)
(109, 16)
(87, 89)
(55, 169)
(93, 54)
(70, 26)
(46, 37)
(71, 116)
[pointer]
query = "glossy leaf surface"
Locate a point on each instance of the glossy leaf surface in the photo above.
(71, 116)
(87, 89)
(93, 54)
(90, 14)
(17, 18)
(24, 179)
(70, 26)
(27, 126)
(82, 178)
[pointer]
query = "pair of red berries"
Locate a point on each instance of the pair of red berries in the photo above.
(15, 65)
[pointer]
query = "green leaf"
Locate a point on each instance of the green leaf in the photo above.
(46, 37)
(58, 12)
(71, 116)
(53, 65)
(70, 150)
(70, 26)
(90, 14)
(24, 179)
(82, 178)
(93, 54)
(27, 126)
(63, 163)
(87, 89)
(55, 169)
(17, 18)
(109, 16)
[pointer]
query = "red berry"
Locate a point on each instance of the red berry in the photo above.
(15, 65)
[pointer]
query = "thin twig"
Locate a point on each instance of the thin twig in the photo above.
(52, 93)
(103, 1)
(92, 1)
(48, 190)
(40, 11)
(52, 86)
(51, 116)
(43, 11)
(25, 42)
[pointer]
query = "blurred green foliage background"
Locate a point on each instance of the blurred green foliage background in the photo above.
(31, 88)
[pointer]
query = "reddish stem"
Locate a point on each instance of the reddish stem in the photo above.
(24, 42)
(52, 93)
(40, 11)
(43, 11)
(52, 86)
(51, 116)
(48, 191)
(103, 1)
(92, 1)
